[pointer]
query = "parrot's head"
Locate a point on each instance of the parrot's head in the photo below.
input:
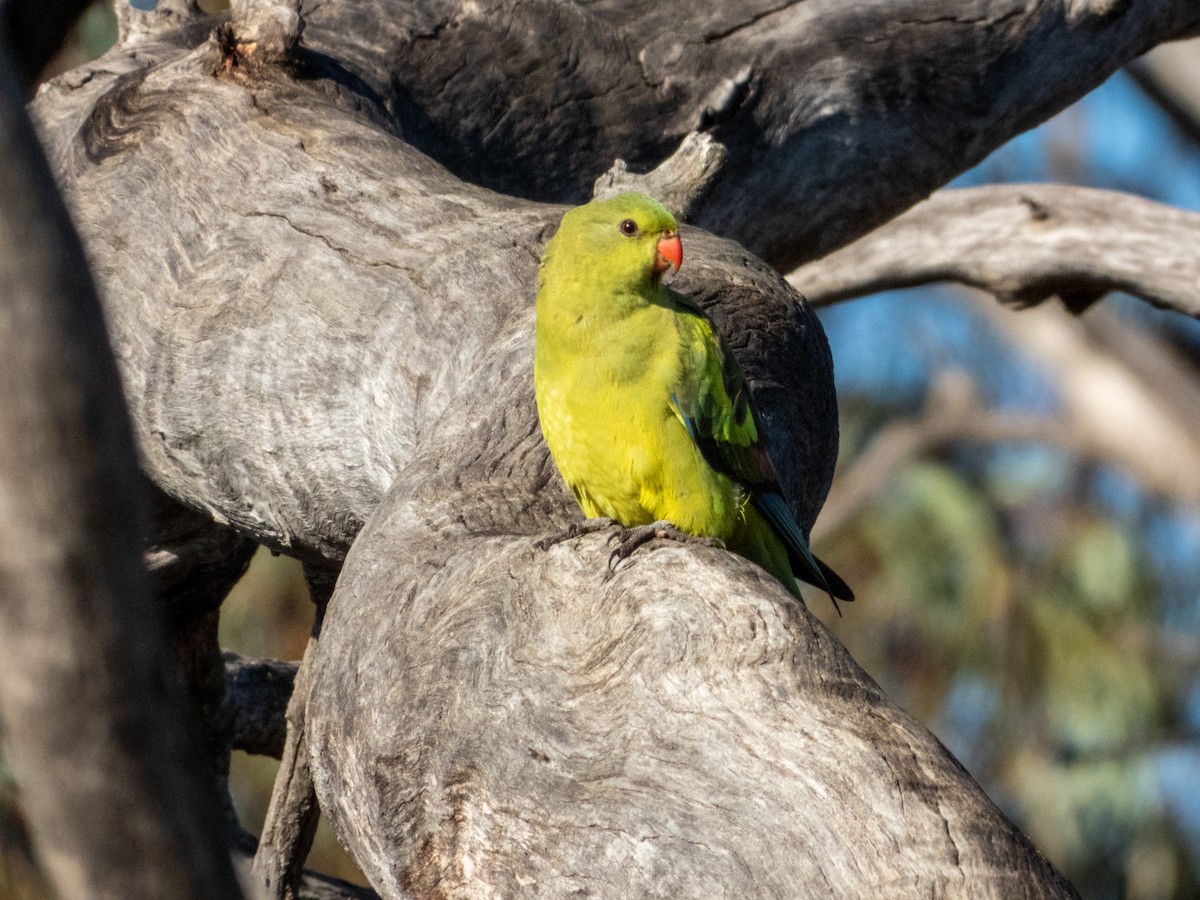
(626, 242)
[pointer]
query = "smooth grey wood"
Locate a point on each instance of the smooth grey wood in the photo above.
(1024, 243)
(93, 722)
(490, 719)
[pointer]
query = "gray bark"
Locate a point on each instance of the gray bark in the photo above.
(93, 723)
(311, 300)
(493, 720)
(1024, 244)
(309, 313)
(837, 115)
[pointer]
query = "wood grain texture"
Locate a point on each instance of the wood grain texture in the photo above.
(93, 721)
(837, 116)
(494, 720)
(1024, 243)
(313, 296)
(311, 315)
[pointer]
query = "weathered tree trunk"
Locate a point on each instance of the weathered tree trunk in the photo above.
(837, 114)
(93, 723)
(311, 315)
(488, 719)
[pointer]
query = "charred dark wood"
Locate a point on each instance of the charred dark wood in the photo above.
(255, 702)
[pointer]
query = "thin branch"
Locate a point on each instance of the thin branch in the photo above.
(293, 813)
(313, 885)
(1109, 413)
(1131, 416)
(1024, 244)
(952, 412)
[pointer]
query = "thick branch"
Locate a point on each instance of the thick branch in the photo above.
(315, 300)
(92, 722)
(256, 699)
(684, 729)
(837, 116)
(320, 313)
(193, 562)
(1024, 243)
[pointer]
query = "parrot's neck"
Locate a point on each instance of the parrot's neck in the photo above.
(622, 338)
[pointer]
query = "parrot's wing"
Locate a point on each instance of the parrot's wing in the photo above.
(712, 400)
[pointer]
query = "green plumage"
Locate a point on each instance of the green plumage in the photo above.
(646, 415)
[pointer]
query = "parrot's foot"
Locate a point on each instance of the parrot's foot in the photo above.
(574, 530)
(632, 538)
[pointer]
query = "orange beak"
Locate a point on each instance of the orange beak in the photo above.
(670, 253)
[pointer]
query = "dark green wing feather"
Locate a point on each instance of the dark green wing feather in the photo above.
(713, 402)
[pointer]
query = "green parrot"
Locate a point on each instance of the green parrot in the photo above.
(647, 416)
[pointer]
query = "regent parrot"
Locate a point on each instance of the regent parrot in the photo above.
(646, 414)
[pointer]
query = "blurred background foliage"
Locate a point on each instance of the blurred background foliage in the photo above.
(1038, 610)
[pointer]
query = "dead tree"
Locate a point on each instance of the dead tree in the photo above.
(316, 232)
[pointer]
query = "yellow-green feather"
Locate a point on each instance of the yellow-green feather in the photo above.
(631, 380)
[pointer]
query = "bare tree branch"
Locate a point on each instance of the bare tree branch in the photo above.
(313, 885)
(193, 562)
(291, 821)
(837, 116)
(1112, 409)
(681, 182)
(428, 273)
(1143, 422)
(952, 412)
(1024, 244)
(494, 719)
(321, 314)
(293, 814)
(92, 721)
(256, 698)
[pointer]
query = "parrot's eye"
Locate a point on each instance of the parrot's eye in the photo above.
(628, 228)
